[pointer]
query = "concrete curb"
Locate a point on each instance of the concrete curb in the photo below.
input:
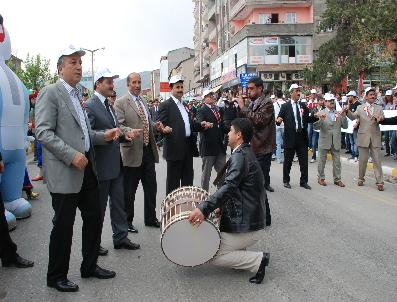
(387, 170)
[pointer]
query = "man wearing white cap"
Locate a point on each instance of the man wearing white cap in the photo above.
(369, 136)
(330, 124)
(180, 142)
(108, 160)
(64, 131)
(353, 105)
(295, 116)
(212, 149)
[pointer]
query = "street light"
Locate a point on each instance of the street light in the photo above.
(92, 61)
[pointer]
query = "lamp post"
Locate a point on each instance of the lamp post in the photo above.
(92, 61)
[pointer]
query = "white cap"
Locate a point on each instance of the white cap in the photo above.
(352, 93)
(329, 96)
(313, 91)
(368, 89)
(175, 79)
(344, 99)
(389, 92)
(303, 101)
(395, 87)
(105, 73)
(272, 96)
(294, 86)
(70, 50)
(205, 92)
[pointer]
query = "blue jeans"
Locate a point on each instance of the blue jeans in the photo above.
(387, 137)
(279, 143)
(310, 131)
(314, 142)
(353, 143)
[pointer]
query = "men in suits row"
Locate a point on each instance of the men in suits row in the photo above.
(295, 116)
(67, 139)
(139, 155)
(330, 123)
(108, 160)
(212, 149)
(369, 136)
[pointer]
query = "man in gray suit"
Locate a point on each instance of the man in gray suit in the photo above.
(369, 137)
(108, 161)
(330, 123)
(64, 131)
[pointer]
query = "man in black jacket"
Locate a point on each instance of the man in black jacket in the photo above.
(240, 202)
(295, 116)
(212, 150)
(180, 142)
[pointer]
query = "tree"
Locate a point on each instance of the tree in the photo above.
(365, 30)
(36, 72)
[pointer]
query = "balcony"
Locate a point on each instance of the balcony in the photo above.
(241, 9)
(279, 29)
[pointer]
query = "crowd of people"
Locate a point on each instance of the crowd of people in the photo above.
(95, 150)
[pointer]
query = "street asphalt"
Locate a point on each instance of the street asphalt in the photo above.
(327, 244)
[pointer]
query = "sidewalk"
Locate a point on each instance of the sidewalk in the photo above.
(389, 165)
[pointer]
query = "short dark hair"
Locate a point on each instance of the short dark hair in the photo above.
(244, 126)
(257, 81)
(279, 94)
(100, 80)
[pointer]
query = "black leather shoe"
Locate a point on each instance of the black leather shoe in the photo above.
(64, 285)
(100, 273)
(132, 229)
(19, 262)
(155, 224)
(128, 245)
(269, 188)
(287, 185)
(102, 251)
(258, 278)
(306, 186)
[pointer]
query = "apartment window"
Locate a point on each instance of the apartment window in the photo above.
(274, 18)
(264, 18)
(291, 18)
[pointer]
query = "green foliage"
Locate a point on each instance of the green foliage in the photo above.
(364, 30)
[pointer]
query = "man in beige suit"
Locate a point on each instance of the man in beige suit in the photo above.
(140, 155)
(369, 136)
(330, 123)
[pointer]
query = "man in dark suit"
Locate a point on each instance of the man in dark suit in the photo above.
(108, 161)
(212, 150)
(179, 142)
(64, 131)
(154, 110)
(140, 155)
(295, 116)
(261, 114)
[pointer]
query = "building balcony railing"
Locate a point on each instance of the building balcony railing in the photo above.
(237, 6)
(279, 29)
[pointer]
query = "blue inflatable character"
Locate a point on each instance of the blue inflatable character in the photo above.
(14, 111)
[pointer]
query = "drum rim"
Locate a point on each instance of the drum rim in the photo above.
(185, 218)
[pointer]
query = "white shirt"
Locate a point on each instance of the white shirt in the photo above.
(103, 99)
(73, 94)
(293, 103)
(184, 114)
(138, 99)
(277, 105)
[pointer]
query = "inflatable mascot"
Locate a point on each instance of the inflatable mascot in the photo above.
(14, 111)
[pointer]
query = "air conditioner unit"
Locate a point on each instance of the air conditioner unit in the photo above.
(283, 76)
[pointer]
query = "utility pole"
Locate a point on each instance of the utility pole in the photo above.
(92, 62)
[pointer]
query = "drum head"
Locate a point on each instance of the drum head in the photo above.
(186, 245)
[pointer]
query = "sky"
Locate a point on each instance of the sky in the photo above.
(135, 33)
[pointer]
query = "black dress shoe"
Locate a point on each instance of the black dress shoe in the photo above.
(102, 251)
(258, 278)
(100, 273)
(269, 188)
(128, 245)
(306, 186)
(287, 185)
(18, 262)
(155, 224)
(64, 285)
(132, 229)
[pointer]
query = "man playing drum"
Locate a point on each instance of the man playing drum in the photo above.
(240, 202)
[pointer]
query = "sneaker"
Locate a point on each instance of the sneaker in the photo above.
(312, 160)
(356, 159)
